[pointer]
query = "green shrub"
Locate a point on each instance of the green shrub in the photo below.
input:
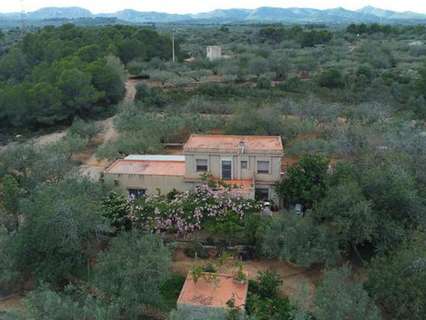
(170, 290)
(263, 83)
(71, 303)
(301, 241)
(331, 78)
(398, 281)
(116, 208)
(210, 268)
(202, 104)
(150, 96)
(218, 90)
(131, 272)
(338, 296)
(293, 84)
(268, 284)
(264, 301)
(83, 128)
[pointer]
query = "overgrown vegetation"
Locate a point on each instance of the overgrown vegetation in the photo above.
(55, 74)
(349, 103)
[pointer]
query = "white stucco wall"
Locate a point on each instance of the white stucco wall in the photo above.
(150, 183)
(214, 166)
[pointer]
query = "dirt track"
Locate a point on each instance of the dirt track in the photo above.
(92, 166)
(11, 304)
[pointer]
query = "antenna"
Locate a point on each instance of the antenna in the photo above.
(23, 24)
(173, 46)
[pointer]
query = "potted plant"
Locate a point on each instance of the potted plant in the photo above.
(196, 273)
(240, 276)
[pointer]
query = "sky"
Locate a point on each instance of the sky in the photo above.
(195, 6)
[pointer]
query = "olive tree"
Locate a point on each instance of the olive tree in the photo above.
(305, 182)
(348, 212)
(300, 241)
(340, 297)
(71, 303)
(397, 281)
(132, 270)
(60, 222)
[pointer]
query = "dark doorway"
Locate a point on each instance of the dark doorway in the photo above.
(261, 194)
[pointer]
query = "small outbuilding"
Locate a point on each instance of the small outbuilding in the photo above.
(212, 294)
(214, 52)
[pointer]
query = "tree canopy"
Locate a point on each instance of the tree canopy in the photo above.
(339, 297)
(305, 182)
(57, 73)
(398, 281)
(132, 270)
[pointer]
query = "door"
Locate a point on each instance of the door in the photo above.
(136, 193)
(226, 169)
(261, 194)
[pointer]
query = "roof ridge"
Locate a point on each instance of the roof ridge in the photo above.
(146, 160)
(233, 135)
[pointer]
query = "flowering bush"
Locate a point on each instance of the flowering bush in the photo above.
(191, 210)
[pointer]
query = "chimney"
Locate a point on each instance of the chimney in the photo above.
(242, 147)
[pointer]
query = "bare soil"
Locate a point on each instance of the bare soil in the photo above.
(90, 165)
(13, 303)
(131, 90)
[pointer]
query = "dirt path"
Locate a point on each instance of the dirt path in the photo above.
(91, 166)
(131, 90)
(41, 140)
(108, 132)
(14, 303)
(50, 138)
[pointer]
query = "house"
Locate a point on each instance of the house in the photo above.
(214, 53)
(212, 295)
(249, 165)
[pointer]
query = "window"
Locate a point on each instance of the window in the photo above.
(263, 167)
(136, 193)
(201, 165)
(244, 164)
(226, 169)
(261, 194)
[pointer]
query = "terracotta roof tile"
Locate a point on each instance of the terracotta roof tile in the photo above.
(232, 143)
(147, 167)
(213, 292)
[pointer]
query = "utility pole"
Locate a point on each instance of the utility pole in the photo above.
(173, 46)
(23, 26)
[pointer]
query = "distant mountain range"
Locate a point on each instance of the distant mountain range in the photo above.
(264, 14)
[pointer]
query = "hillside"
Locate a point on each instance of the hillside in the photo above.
(263, 14)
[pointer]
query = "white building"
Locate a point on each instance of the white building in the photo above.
(214, 53)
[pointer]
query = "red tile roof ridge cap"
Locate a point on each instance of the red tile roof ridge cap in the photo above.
(156, 161)
(233, 135)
